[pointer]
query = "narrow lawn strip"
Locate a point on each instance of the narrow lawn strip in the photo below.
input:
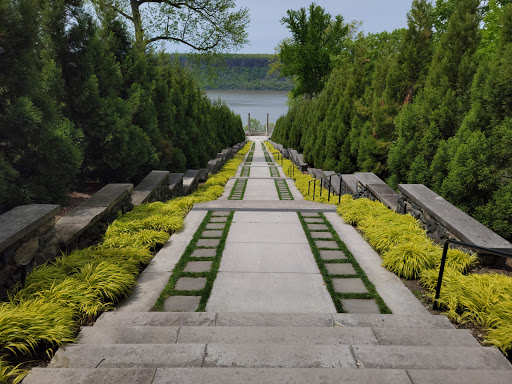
(246, 171)
(238, 189)
(210, 276)
(336, 296)
(280, 184)
(273, 171)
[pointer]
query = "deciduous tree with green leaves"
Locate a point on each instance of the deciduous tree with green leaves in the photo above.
(316, 38)
(203, 25)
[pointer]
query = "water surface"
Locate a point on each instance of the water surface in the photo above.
(257, 103)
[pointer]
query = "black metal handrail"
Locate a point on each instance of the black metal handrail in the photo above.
(330, 183)
(488, 251)
(292, 172)
(279, 154)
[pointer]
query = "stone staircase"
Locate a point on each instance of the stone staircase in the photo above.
(206, 347)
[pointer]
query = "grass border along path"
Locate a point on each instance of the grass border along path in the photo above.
(211, 275)
(75, 288)
(349, 259)
(238, 190)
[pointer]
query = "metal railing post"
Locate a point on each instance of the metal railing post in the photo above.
(23, 274)
(443, 262)
(329, 198)
(441, 272)
(339, 191)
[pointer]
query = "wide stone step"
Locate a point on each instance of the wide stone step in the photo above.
(275, 335)
(118, 319)
(263, 375)
(278, 356)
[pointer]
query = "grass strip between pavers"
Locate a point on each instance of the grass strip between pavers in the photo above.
(273, 171)
(336, 296)
(178, 271)
(236, 187)
(281, 196)
(246, 171)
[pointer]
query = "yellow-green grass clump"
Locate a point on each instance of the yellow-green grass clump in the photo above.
(405, 249)
(484, 299)
(76, 287)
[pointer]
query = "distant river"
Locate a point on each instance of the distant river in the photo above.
(257, 103)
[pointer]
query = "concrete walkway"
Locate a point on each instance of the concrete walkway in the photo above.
(268, 265)
(270, 318)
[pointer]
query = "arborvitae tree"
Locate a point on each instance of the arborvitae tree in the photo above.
(440, 107)
(38, 142)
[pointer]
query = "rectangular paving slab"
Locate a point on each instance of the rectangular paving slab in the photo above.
(392, 321)
(212, 233)
(349, 285)
(208, 242)
(202, 252)
(128, 356)
(264, 217)
(326, 254)
(470, 376)
(269, 292)
(282, 376)
(128, 335)
(156, 318)
(429, 357)
(321, 235)
(91, 375)
(276, 335)
(274, 356)
(265, 257)
(316, 227)
(254, 319)
(425, 336)
(326, 244)
(215, 226)
(278, 233)
(190, 283)
(198, 266)
(182, 303)
(340, 269)
(360, 306)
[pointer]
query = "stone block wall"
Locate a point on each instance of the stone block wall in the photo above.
(27, 237)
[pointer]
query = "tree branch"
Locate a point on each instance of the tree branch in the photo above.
(199, 48)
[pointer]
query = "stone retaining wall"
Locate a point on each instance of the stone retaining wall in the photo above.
(442, 221)
(154, 187)
(83, 225)
(27, 237)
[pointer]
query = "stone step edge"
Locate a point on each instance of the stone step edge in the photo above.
(274, 319)
(276, 356)
(276, 335)
(267, 375)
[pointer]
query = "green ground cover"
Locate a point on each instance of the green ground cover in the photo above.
(75, 288)
(485, 300)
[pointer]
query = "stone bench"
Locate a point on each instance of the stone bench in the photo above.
(372, 187)
(213, 166)
(349, 184)
(443, 220)
(221, 160)
(154, 187)
(83, 225)
(190, 181)
(176, 184)
(203, 175)
(301, 164)
(27, 236)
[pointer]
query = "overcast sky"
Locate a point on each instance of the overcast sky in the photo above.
(266, 31)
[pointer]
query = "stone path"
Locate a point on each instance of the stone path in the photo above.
(284, 269)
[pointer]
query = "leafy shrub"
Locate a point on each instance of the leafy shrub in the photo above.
(78, 286)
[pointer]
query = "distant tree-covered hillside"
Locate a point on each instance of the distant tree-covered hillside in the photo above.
(237, 72)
